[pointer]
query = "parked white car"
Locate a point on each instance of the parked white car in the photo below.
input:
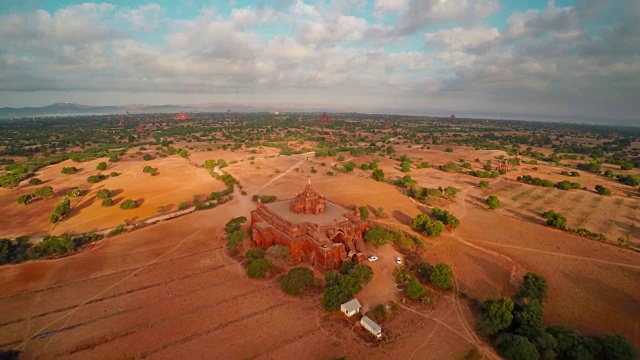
(398, 260)
(372, 258)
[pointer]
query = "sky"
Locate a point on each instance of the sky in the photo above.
(569, 58)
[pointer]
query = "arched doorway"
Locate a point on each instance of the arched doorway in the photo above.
(339, 237)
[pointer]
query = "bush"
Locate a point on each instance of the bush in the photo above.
(107, 202)
(35, 181)
(183, 205)
(68, 170)
(364, 212)
(378, 236)
(128, 204)
(446, 217)
(119, 229)
(379, 212)
(258, 268)
(493, 202)
(102, 166)
(603, 190)
(114, 174)
(254, 254)
(495, 316)
(534, 286)
(147, 157)
(103, 194)
(441, 276)
(60, 210)
(44, 192)
(414, 289)
(362, 272)
(516, 347)
(95, 178)
(378, 175)
(24, 199)
(364, 167)
(235, 239)
(555, 219)
(268, 198)
(297, 281)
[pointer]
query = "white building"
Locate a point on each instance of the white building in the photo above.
(371, 326)
(351, 307)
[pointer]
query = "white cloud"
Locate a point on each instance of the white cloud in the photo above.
(145, 18)
(459, 38)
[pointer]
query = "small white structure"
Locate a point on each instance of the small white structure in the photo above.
(351, 307)
(371, 326)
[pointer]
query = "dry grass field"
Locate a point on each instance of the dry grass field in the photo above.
(170, 290)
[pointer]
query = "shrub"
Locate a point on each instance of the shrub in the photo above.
(378, 175)
(554, 219)
(44, 192)
(268, 198)
(102, 166)
(68, 170)
(364, 167)
(254, 254)
(330, 173)
(95, 178)
(364, 212)
(183, 205)
(484, 183)
(378, 236)
(446, 217)
(448, 150)
(495, 316)
(114, 174)
(24, 199)
(297, 281)
(441, 276)
(235, 239)
(258, 268)
(414, 289)
(603, 190)
(60, 210)
(119, 229)
(380, 212)
(35, 181)
(128, 204)
(107, 202)
(103, 194)
(147, 157)
(493, 202)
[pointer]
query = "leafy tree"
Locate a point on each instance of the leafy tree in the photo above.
(103, 194)
(434, 228)
(378, 236)
(534, 286)
(209, 164)
(423, 270)
(554, 219)
(572, 344)
(128, 204)
(44, 192)
(527, 312)
(626, 165)
(493, 202)
(441, 276)
(147, 157)
(415, 290)
(364, 212)
(234, 224)
(516, 347)
(405, 167)
(364, 167)
(297, 280)
(107, 202)
(24, 199)
(235, 238)
(446, 217)
(258, 268)
(362, 272)
(68, 170)
(331, 278)
(254, 254)
(495, 317)
(95, 178)
(378, 175)
(35, 181)
(615, 347)
(102, 166)
(349, 166)
(346, 266)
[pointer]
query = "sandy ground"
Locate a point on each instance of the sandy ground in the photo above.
(170, 290)
(177, 181)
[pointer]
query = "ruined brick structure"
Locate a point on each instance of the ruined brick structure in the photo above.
(316, 231)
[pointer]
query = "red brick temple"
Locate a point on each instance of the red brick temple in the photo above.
(325, 120)
(316, 231)
(181, 116)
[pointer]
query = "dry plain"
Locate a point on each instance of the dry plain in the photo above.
(170, 290)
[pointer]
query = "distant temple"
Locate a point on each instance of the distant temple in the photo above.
(315, 230)
(453, 117)
(181, 116)
(325, 120)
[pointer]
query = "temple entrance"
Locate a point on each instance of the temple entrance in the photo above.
(340, 237)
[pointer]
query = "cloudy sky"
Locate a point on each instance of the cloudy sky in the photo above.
(554, 58)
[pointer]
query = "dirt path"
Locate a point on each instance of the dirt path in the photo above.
(281, 175)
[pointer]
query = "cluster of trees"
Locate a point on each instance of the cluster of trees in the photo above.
(572, 174)
(446, 217)
(603, 190)
(484, 174)
(405, 163)
(257, 264)
(61, 210)
(555, 219)
(378, 236)
(406, 281)
(514, 325)
(105, 196)
(234, 235)
(425, 195)
(20, 249)
(378, 175)
(562, 185)
(426, 225)
(43, 192)
(439, 275)
(265, 198)
(631, 180)
(341, 286)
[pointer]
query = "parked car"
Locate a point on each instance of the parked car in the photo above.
(372, 258)
(398, 260)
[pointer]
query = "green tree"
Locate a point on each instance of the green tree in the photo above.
(615, 347)
(107, 202)
(441, 276)
(554, 219)
(258, 268)
(362, 272)
(415, 290)
(493, 202)
(496, 316)
(44, 192)
(380, 212)
(235, 239)
(24, 199)
(378, 175)
(515, 347)
(378, 236)
(103, 194)
(534, 286)
(128, 204)
(254, 254)
(434, 228)
(527, 312)
(35, 181)
(364, 212)
(102, 166)
(296, 281)
(626, 165)
(68, 170)
(405, 167)
(603, 190)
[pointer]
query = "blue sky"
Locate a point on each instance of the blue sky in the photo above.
(558, 58)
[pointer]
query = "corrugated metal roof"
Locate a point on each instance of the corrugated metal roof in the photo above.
(371, 324)
(352, 305)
